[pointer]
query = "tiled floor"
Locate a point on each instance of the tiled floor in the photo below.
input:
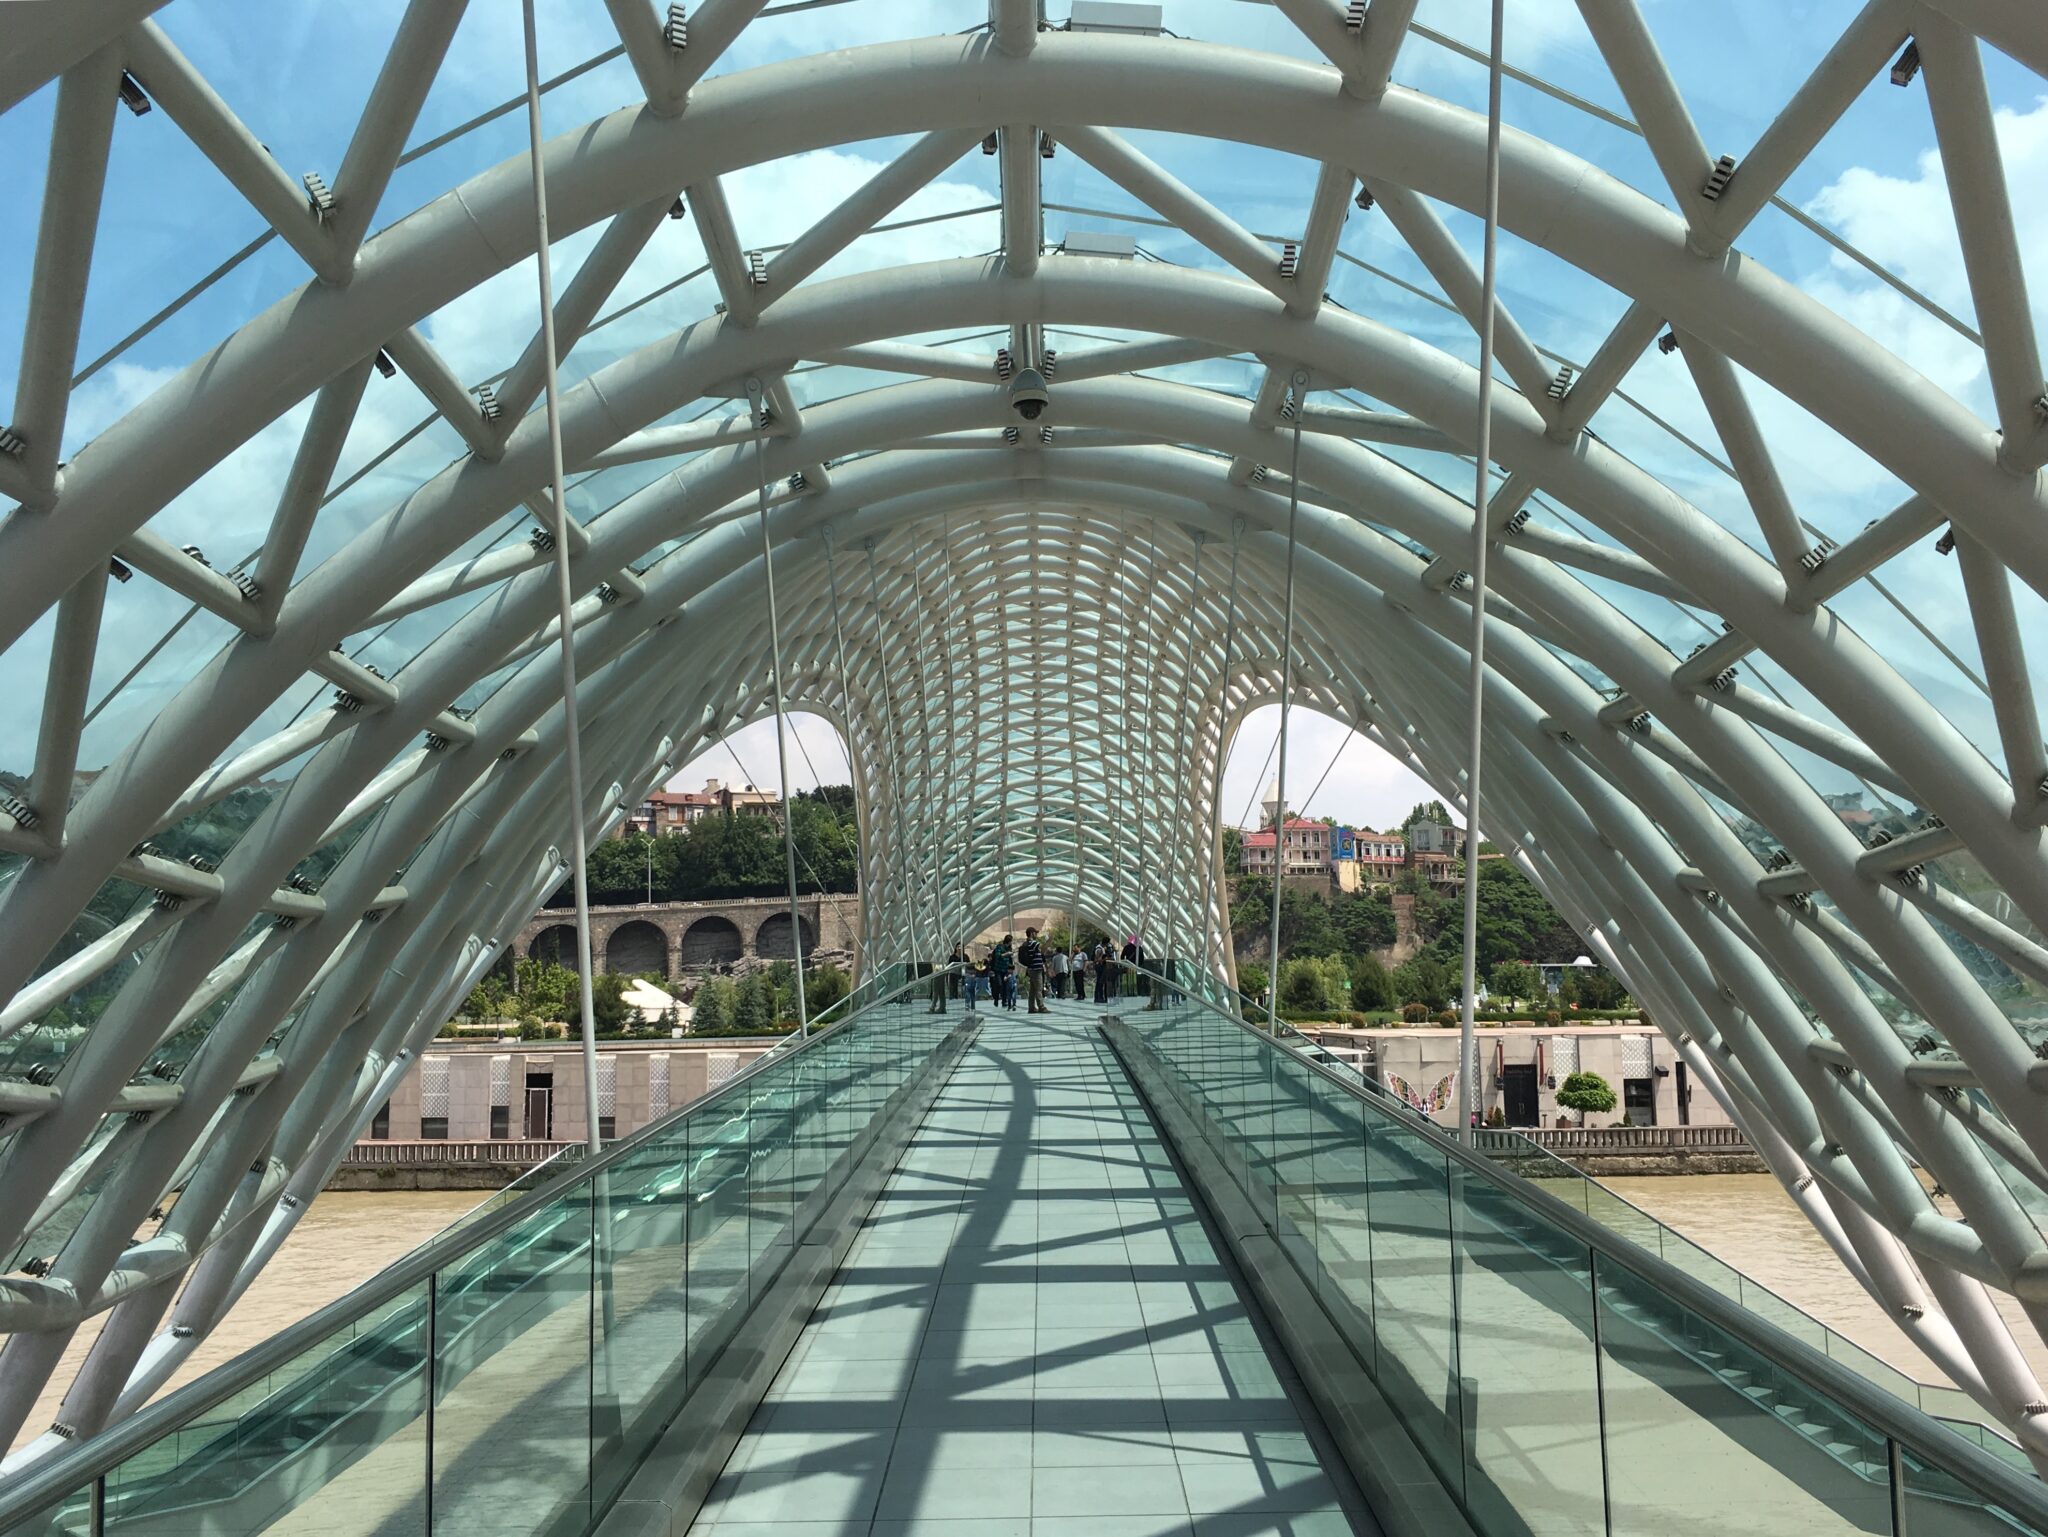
(1032, 1337)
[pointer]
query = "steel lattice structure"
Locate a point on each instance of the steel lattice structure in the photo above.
(1037, 644)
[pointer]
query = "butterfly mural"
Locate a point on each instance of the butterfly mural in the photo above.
(1438, 1097)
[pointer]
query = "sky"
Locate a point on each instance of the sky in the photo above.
(1362, 786)
(170, 217)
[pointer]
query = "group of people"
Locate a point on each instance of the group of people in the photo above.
(1038, 968)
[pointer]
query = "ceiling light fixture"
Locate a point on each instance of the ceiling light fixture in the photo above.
(1908, 64)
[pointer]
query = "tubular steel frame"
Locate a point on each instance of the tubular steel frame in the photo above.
(1769, 977)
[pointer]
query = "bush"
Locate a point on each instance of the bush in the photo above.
(1414, 1013)
(1554, 1018)
(1447, 1018)
(1251, 979)
(1496, 1116)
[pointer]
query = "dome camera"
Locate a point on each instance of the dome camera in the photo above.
(1028, 394)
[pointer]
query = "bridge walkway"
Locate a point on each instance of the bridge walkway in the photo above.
(1033, 1336)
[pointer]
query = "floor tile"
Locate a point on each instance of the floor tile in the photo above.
(950, 1493)
(1142, 1490)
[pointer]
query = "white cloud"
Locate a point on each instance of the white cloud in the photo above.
(1365, 787)
(817, 755)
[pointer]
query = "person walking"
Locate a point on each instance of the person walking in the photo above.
(1060, 967)
(938, 988)
(1002, 972)
(957, 959)
(1105, 970)
(1031, 957)
(976, 984)
(1080, 969)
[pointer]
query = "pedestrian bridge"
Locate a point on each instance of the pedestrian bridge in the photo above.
(1140, 1267)
(1628, 418)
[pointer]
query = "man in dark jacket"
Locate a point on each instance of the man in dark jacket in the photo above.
(1031, 956)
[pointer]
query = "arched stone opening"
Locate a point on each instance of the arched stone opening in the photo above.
(636, 947)
(771, 940)
(556, 944)
(711, 942)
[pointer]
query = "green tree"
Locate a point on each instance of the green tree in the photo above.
(1233, 851)
(1513, 980)
(1364, 921)
(714, 1005)
(1305, 987)
(1371, 985)
(1251, 979)
(609, 1013)
(1602, 989)
(1424, 979)
(824, 987)
(754, 1011)
(1586, 1094)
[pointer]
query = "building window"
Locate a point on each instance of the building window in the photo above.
(501, 1121)
(380, 1123)
(434, 1128)
(1639, 1100)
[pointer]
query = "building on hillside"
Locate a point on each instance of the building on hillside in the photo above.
(673, 811)
(1363, 859)
(1307, 852)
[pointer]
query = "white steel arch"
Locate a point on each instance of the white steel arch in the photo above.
(1860, 996)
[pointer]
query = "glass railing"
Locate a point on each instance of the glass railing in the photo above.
(509, 1376)
(1529, 1159)
(1557, 1377)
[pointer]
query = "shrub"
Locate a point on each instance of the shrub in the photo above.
(1414, 1013)
(1496, 1116)
(1446, 1017)
(1554, 1018)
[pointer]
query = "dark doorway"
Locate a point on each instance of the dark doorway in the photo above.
(540, 1107)
(1518, 1093)
(1639, 1099)
(1684, 1097)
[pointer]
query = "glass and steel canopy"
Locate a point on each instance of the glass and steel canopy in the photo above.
(282, 735)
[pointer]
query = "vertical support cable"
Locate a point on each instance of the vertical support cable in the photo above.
(564, 594)
(1488, 286)
(796, 922)
(1298, 386)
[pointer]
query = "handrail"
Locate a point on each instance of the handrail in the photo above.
(66, 1471)
(1908, 1425)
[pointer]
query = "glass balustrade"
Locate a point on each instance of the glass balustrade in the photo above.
(1559, 1378)
(509, 1376)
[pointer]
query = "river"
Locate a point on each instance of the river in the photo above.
(1747, 1221)
(343, 1239)
(1743, 1219)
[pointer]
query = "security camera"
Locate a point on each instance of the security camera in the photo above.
(1029, 395)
